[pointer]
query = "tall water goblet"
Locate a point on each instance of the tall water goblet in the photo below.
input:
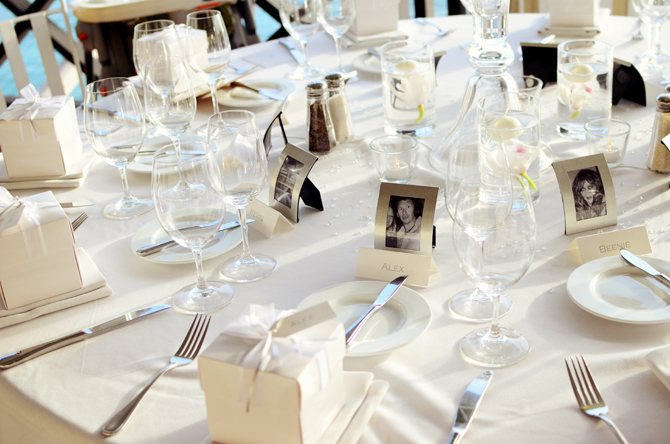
(653, 13)
(507, 254)
(299, 19)
(194, 221)
(209, 61)
(467, 4)
(170, 105)
(471, 304)
(239, 151)
(336, 16)
(156, 38)
(114, 123)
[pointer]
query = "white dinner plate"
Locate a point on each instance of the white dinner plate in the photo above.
(368, 63)
(244, 98)
(143, 163)
(153, 233)
(400, 321)
(612, 289)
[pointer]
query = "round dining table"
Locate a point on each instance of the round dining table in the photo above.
(66, 396)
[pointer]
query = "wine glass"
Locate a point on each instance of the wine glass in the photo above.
(336, 16)
(471, 304)
(170, 105)
(234, 137)
(114, 123)
(507, 254)
(653, 13)
(299, 18)
(467, 4)
(154, 39)
(194, 221)
(211, 59)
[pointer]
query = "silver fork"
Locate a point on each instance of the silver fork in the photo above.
(185, 355)
(78, 221)
(587, 393)
(441, 32)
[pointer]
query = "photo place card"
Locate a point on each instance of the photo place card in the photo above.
(290, 183)
(588, 193)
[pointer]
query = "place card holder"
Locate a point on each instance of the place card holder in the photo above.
(404, 235)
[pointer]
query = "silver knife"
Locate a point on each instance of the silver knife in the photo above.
(12, 359)
(155, 248)
(468, 406)
(262, 92)
(76, 204)
(386, 294)
(296, 53)
(644, 266)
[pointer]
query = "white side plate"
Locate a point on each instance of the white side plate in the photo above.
(153, 233)
(612, 289)
(244, 98)
(368, 63)
(403, 319)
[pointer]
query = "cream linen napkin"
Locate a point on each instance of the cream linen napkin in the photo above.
(362, 396)
(73, 178)
(353, 41)
(659, 361)
(94, 287)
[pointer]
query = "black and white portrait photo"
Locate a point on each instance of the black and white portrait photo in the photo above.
(286, 179)
(403, 222)
(588, 192)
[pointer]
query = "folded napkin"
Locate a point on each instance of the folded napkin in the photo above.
(94, 287)
(362, 396)
(659, 361)
(353, 41)
(72, 179)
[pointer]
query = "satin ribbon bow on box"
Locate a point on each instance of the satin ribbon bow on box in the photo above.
(30, 105)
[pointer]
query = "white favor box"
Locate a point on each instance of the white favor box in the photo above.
(25, 280)
(288, 406)
(47, 146)
(374, 17)
(573, 13)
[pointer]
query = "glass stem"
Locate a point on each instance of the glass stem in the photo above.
(124, 180)
(494, 332)
(215, 101)
(303, 45)
(338, 49)
(655, 43)
(202, 282)
(177, 149)
(246, 252)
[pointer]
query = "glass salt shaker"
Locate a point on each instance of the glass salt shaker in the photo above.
(339, 108)
(658, 160)
(321, 135)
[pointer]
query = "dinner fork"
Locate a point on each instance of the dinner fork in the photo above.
(187, 352)
(78, 221)
(587, 393)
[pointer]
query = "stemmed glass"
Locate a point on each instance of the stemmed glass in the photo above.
(299, 18)
(653, 13)
(194, 221)
(210, 61)
(114, 123)
(234, 137)
(157, 38)
(467, 4)
(170, 105)
(463, 166)
(506, 257)
(336, 16)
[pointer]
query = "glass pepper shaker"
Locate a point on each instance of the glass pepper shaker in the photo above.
(339, 108)
(321, 135)
(658, 159)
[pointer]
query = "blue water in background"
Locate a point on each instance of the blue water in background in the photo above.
(265, 26)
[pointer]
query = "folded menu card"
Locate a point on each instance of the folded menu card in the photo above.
(94, 287)
(659, 361)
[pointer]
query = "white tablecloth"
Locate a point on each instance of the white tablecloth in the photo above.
(67, 395)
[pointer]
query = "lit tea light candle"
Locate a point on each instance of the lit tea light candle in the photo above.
(612, 153)
(398, 171)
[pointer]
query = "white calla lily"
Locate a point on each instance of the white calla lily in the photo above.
(414, 85)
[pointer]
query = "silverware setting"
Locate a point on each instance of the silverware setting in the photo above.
(186, 353)
(644, 266)
(76, 204)
(587, 393)
(468, 406)
(262, 92)
(385, 295)
(441, 32)
(16, 358)
(78, 221)
(240, 70)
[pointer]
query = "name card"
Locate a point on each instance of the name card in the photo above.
(386, 265)
(600, 245)
(304, 319)
(268, 220)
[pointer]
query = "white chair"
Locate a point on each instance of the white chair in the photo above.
(40, 27)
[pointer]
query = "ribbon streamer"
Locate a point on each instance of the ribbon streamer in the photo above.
(30, 105)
